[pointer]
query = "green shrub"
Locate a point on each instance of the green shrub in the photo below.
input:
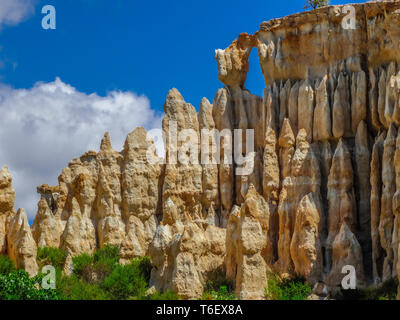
(51, 256)
(218, 287)
(18, 286)
(222, 294)
(6, 265)
(82, 264)
(314, 4)
(73, 288)
(218, 279)
(295, 289)
(95, 268)
(386, 291)
(129, 281)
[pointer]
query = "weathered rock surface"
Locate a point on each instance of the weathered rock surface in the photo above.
(22, 247)
(305, 247)
(323, 191)
(7, 197)
(246, 240)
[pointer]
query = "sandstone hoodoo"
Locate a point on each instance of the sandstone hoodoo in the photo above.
(317, 192)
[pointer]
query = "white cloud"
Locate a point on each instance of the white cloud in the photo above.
(13, 12)
(43, 128)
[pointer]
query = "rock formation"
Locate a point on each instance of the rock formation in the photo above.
(302, 181)
(15, 233)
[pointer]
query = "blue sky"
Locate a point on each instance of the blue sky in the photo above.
(108, 66)
(146, 47)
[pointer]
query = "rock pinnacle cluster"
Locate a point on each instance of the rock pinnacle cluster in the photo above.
(323, 192)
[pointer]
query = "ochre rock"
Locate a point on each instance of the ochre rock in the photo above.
(7, 197)
(22, 248)
(141, 200)
(305, 247)
(324, 176)
(246, 240)
(346, 251)
(386, 221)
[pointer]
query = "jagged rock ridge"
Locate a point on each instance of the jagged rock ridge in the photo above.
(324, 187)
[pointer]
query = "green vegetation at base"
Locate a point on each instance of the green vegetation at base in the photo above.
(385, 291)
(128, 281)
(96, 267)
(6, 265)
(99, 276)
(51, 256)
(218, 287)
(293, 289)
(17, 285)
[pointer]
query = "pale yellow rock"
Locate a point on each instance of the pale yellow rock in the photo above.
(110, 226)
(373, 99)
(362, 171)
(79, 235)
(341, 197)
(382, 97)
(306, 105)
(359, 99)
(271, 104)
(322, 125)
(386, 221)
(271, 185)
(184, 256)
(222, 114)
(346, 251)
(183, 167)
(305, 247)
(286, 143)
(304, 178)
(47, 228)
(141, 194)
(293, 106)
(396, 209)
(284, 97)
(246, 239)
(209, 161)
(391, 94)
(7, 197)
(316, 101)
(341, 121)
(21, 246)
(376, 194)
(233, 63)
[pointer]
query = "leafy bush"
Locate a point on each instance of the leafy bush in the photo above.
(386, 291)
(222, 294)
(216, 280)
(73, 288)
(314, 4)
(218, 287)
(296, 289)
(51, 256)
(18, 286)
(129, 281)
(95, 268)
(6, 265)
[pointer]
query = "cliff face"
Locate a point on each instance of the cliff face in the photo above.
(323, 187)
